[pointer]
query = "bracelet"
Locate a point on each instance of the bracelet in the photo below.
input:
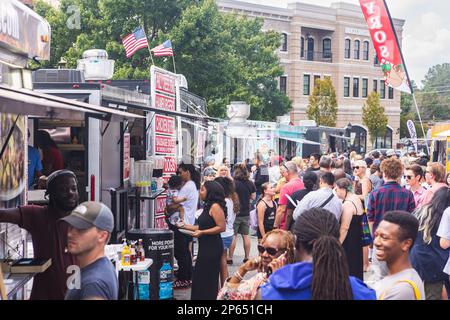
(238, 275)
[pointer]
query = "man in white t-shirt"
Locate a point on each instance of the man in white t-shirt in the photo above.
(394, 238)
(444, 234)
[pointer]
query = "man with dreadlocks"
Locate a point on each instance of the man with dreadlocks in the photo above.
(322, 273)
(49, 235)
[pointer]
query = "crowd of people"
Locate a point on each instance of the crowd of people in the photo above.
(324, 226)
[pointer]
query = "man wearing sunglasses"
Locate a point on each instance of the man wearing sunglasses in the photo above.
(413, 175)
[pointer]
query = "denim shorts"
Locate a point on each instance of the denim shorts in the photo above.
(227, 242)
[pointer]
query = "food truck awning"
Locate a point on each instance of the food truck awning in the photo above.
(301, 141)
(444, 134)
(339, 137)
(20, 102)
(32, 103)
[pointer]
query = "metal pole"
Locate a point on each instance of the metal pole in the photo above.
(421, 124)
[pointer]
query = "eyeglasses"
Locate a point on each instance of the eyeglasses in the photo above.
(269, 250)
(408, 177)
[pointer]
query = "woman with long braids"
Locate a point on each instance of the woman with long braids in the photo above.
(211, 223)
(322, 273)
(351, 227)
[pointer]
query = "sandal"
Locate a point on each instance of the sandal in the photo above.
(245, 260)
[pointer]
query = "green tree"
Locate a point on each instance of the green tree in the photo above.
(374, 117)
(323, 104)
(223, 57)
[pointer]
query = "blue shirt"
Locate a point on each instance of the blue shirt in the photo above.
(34, 164)
(294, 282)
(98, 280)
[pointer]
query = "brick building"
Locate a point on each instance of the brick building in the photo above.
(333, 42)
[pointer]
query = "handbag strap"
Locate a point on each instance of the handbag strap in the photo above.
(416, 290)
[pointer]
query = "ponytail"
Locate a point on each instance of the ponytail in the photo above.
(331, 274)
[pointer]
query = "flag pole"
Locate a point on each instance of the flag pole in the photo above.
(174, 67)
(148, 44)
(407, 74)
(421, 124)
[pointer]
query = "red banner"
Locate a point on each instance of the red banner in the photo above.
(160, 204)
(385, 43)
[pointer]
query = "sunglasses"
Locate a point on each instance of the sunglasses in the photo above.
(408, 177)
(269, 250)
(356, 168)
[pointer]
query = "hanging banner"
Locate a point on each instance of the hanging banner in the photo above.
(386, 44)
(412, 132)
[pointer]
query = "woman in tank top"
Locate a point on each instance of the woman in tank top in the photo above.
(351, 227)
(266, 209)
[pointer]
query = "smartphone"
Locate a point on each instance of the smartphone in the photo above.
(270, 271)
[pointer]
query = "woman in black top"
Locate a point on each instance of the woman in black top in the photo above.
(266, 209)
(247, 192)
(210, 224)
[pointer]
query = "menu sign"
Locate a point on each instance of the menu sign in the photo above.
(164, 125)
(165, 145)
(165, 83)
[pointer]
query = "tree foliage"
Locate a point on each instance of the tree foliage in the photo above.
(374, 117)
(223, 57)
(323, 106)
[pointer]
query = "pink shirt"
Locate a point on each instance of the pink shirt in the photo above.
(428, 195)
(289, 188)
(419, 196)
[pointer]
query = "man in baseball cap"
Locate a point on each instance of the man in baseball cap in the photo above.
(90, 227)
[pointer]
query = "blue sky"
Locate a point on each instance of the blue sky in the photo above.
(426, 38)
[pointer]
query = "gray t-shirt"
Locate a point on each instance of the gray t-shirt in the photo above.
(393, 287)
(444, 232)
(98, 280)
(317, 198)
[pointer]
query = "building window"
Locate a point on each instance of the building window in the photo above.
(283, 84)
(347, 48)
(356, 49)
(382, 89)
(391, 93)
(316, 77)
(375, 61)
(284, 46)
(326, 48)
(346, 87)
(384, 142)
(302, 47)
(375, 86)
(306, 84)
(355, 87)
(366, 51)
(365, 84)
(310, 53)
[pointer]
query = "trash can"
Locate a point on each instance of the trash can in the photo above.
(158, 246)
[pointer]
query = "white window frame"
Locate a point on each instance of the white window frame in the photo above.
(345, 40)
(359, 50)
(303, 84)
(349, 87)
(359, 87)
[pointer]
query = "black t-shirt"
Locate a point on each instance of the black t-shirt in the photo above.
(297, 196)
(244, 189)
(311, 169)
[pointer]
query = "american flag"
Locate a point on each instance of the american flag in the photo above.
(135, 41)
(163, 50)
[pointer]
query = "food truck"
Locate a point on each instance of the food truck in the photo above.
(440, 144)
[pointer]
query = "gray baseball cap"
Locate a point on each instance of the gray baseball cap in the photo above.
(91, 214)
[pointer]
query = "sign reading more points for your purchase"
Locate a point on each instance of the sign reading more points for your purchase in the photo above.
(163, 133)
